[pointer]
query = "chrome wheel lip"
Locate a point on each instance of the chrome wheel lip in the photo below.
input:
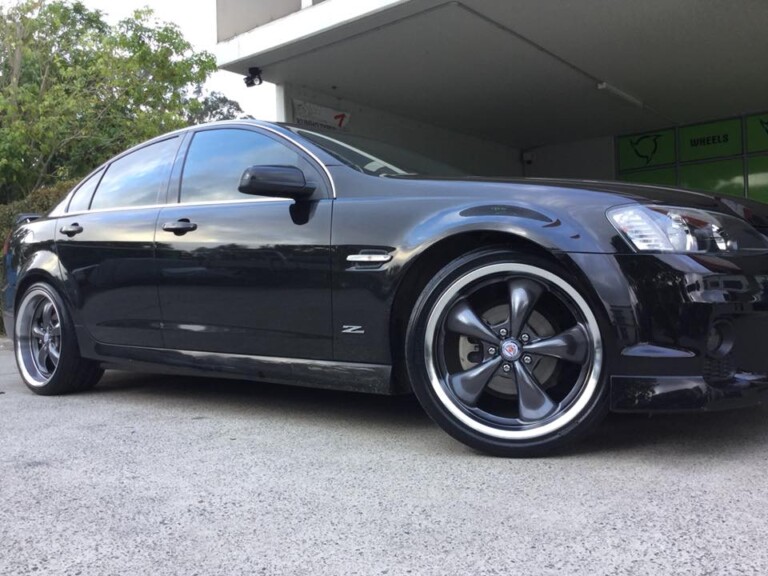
(26, 346)
(592, 379)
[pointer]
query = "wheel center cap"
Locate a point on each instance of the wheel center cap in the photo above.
(511, 350)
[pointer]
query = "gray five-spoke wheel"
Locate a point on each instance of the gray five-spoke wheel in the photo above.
(534, 357)
(38, 333)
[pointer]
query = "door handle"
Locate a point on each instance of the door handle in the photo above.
(71, 230)
(180, 227)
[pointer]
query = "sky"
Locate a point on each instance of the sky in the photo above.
(197, 21)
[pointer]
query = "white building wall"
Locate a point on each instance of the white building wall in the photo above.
(470, 154)
(235, 17)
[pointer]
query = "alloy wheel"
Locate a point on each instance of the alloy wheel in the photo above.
(39, 338)
(513, 351)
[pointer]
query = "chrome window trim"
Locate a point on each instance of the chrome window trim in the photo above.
(223, 202)
(102, 210)
(177, 204)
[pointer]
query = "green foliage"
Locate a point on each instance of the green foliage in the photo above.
(75, 91)
(212, 107)
(40, 201)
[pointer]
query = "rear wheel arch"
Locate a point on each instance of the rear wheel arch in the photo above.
(39, 275)
(46, 347)
(36, 276)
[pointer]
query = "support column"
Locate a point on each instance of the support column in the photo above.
(283, 107)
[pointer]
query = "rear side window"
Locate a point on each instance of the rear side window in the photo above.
(217, 159)
(138, 178)
(82, 196)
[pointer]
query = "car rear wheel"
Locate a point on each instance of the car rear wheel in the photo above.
(505, 354)
(46, 348)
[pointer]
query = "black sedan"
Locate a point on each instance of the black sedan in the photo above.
(518, 312)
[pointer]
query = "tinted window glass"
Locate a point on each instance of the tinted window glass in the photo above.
(137, 179)
(217, 158)
(82, 197)
(375, 157)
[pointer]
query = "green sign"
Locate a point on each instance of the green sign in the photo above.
(646, 150)
(757, 133)
(712, 140)
(758, 178)
(720, 177)
(662, 176)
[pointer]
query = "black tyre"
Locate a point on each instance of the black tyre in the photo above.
(505, 353)
(46, 348)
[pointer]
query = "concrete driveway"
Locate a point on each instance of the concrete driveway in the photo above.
(152, 475)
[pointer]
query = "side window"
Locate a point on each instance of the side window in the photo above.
(217, 158)
(138, 178)
(82, 196)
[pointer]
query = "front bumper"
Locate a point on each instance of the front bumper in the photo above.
(691, 331)
(683, 394)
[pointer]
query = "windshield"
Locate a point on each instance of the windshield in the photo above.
(374, 157)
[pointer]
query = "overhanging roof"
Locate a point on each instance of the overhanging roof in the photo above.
(518, 71)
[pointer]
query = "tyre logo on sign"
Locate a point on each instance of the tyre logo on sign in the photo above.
(645, 147)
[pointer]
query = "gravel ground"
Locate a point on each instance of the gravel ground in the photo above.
(162, 475)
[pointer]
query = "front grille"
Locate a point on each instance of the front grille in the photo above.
(719, 369)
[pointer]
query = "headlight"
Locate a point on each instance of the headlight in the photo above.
(672, 229)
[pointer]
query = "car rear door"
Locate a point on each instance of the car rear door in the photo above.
(106, 246)
(245, 274)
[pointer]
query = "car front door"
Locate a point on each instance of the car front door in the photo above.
(105, 243)
(245, 274)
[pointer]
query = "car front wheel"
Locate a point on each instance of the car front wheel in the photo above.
(506, 355)
(47, 353)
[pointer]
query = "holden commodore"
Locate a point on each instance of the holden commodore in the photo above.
(519, 312)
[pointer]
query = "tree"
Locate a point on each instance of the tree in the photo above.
(74, 90)
(214, 106)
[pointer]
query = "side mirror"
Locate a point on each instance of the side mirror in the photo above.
(278, 181)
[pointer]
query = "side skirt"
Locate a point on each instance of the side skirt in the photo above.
(350, 376)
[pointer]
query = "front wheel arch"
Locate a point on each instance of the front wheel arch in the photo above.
(422, 268)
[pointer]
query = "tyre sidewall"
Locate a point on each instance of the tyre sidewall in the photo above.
(592, 413)
(69, 361)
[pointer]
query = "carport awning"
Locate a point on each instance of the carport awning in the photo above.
(519, 72)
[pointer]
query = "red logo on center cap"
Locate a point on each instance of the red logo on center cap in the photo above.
(510, 348)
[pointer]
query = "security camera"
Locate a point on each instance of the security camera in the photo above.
(253, 78)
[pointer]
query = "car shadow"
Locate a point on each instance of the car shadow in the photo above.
(699, 434)
(703, 434)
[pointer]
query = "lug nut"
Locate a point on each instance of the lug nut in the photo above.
(491, 350)
(503, 332)
(527, 359)
(506, 367)
(525, 337)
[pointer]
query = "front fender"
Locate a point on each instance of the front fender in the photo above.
(546, 230)
(405, 228)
